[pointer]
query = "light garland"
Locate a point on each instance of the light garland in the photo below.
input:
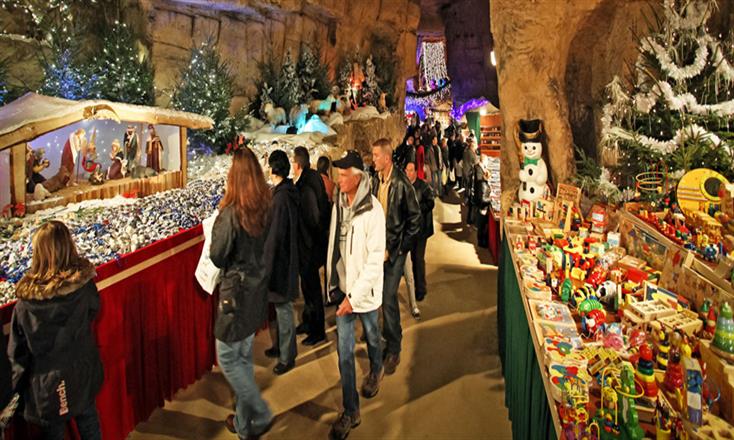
(433, 61)
(666, 62)
(458, 112)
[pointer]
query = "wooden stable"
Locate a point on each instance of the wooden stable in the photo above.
(127, 187)
(33, 115)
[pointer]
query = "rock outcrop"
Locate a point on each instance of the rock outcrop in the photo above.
(255, 31)
(248, 32)
(554, 62)
(359, 135)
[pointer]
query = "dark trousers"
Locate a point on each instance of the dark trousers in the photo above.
(313, 310)
(87, 423)
(392, 331)
(418, 255)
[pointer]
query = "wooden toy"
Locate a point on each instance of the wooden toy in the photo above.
(685, 321)
(651, 310)
(550, 311)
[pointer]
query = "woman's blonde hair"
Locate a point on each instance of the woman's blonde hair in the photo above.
(54, 252)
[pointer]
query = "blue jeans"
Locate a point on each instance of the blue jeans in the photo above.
(87, 423)
(391, 328)
(235, 359)
(286, 333)
(345, 349)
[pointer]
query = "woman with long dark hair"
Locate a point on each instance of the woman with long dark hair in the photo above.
(238, 242)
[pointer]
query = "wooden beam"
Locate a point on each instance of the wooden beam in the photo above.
(17, 173)
(183, 150)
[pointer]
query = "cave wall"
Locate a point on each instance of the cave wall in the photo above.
(469, 46)
(251, 31)
(553, 64)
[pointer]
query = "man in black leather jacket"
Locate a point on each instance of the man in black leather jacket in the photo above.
(403, 217)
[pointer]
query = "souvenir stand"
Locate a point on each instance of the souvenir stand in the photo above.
(154, 329)
(615, 322)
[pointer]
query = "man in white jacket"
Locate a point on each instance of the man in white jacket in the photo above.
(354, 271)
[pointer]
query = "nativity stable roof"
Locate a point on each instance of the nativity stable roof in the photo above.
(33, 115)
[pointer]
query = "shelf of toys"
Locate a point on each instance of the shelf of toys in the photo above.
(629, 313)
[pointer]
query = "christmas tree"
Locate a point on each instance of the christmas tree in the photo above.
(124, 74)
(307, 65)
(66, 77)
(289, 83)
(724, 334)
(371, 79)
(205, 87)
(344, 76)
(675, 115)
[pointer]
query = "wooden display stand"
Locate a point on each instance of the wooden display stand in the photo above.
(33, 116)
(490, 127)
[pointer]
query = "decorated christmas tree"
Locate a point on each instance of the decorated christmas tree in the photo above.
(289, 83)
(724, 334)
(125, 75)
(205, 87)
(674, 113)
(371, 79)
(66, 77)
(344, 76)
(314, 75)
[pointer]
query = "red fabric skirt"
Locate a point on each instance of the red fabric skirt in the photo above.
(155, 332)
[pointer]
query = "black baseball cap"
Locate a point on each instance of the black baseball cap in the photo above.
(350, 160)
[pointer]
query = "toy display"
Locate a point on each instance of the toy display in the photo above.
(611, 336)
(533, 172)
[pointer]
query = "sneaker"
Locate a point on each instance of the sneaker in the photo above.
(301, 329)
(263, 432)
(283, 368)
(272, 352)
(416, 314)
(391, 363)
(371, 384)
(340, 429)
(313, 340)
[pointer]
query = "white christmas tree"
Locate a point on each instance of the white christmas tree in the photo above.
(307, 66)
(371, 79)
(289, 83)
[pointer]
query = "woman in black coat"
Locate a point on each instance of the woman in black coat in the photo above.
(281, 253)
(53, 351)
(237, 247)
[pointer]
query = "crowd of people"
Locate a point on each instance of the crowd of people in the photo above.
(271, 239)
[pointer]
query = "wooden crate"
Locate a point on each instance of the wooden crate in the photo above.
(720, 372)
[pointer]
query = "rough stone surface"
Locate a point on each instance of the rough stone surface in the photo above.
(249, 32)
(469, 45)
(360, 135)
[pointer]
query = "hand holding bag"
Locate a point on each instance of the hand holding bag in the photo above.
(207, 274)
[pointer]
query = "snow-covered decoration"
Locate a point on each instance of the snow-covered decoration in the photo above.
(298, 115)
(673, 70)
(316, 125)
(275, 115)
(335, 118)
(366, 113)
(533, 173)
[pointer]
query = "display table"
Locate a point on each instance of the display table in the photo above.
(526, 395)
(154, 331)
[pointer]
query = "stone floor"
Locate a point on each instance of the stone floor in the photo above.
(448, 386)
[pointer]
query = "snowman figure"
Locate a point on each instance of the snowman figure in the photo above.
(533, 173)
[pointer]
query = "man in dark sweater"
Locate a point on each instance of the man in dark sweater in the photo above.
(314, 230)
(425, 197)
